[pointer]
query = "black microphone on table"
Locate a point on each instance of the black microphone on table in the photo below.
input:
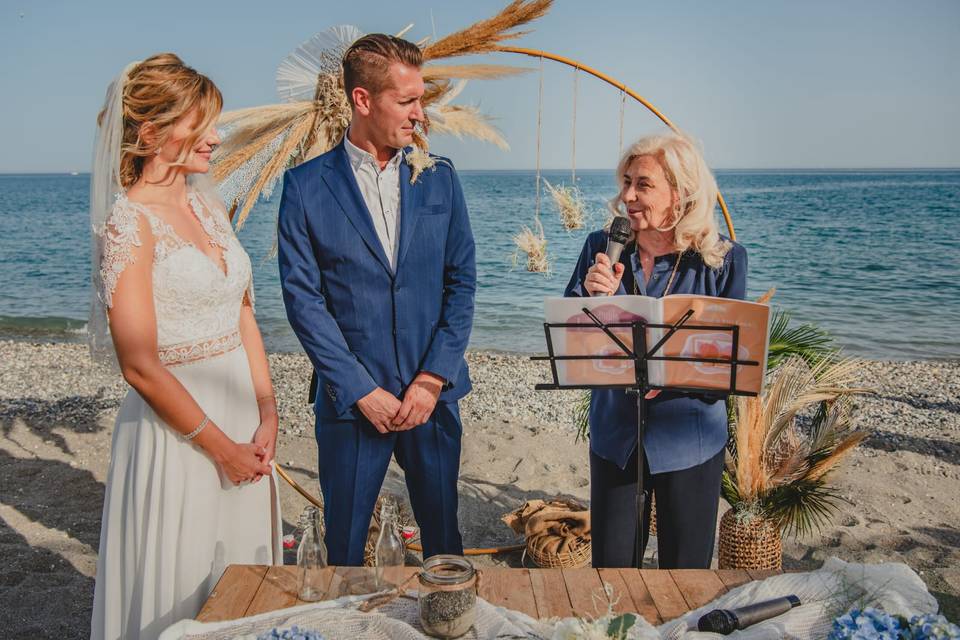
(726, 621)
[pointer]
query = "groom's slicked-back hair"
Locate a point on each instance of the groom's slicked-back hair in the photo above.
(367, 62)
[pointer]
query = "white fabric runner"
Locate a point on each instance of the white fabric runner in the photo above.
(825, 594)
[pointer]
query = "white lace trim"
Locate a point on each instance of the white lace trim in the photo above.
(178, 354)
(120, 234)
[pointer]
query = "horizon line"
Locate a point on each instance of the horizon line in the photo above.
(585, 170)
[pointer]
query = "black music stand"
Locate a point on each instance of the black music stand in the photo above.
(640, 356)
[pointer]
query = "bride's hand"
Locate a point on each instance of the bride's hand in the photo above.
(244, 462)
(266, 438)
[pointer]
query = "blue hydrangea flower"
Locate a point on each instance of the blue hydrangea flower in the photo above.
(867, 624)
(932, 627)
(293, 633)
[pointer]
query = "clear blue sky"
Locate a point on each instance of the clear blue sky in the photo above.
(763, 84)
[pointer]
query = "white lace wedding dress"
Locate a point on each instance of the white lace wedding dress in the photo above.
(171, 521)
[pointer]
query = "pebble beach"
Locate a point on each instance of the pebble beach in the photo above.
(901, 486)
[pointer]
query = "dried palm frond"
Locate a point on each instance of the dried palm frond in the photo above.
(569, 203)
(765, 298)
(485, 36)
(470, 71)
(434, 91)
(462, 121)
(780, 469)
(534, 245)
(260, 143)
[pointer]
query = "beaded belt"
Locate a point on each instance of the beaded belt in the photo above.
(187, 352)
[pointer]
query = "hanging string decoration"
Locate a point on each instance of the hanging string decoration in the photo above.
(532, 241)
(569, 199)
(260, 143)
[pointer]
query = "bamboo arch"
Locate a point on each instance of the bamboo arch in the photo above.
(536, 53)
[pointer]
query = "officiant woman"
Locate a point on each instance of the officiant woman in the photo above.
(668, 194)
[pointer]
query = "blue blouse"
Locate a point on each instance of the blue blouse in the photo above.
(683, 430)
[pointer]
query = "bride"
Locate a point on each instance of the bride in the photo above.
(190, 488)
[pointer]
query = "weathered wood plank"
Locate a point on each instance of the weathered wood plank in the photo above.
(550, 593)
(622, 598)
(658, 596)
(665, 593)
(641, 596)
(698, 586)
(510, 588)
(325, 579)
(233, 593)
(761, 574)
(350, 581)
(277, 591)
(732, 578)
(396, 576)
(582, 585)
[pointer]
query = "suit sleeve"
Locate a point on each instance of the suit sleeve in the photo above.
(459, 287)
(306, 306)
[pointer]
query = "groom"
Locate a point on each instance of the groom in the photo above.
(378, 281)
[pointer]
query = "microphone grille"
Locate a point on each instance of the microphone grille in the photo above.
(717, 621)
(620, 230)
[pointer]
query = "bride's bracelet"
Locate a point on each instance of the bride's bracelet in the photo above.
(203, 423)
(263, 399)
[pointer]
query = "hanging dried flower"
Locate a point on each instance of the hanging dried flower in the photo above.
(569, 201)
(534, 245)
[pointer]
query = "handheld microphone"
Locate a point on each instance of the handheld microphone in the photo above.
(618, 236)
(726, 621)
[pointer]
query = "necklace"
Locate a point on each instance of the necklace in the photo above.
(673, 274)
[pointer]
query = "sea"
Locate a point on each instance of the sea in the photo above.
(872, 256)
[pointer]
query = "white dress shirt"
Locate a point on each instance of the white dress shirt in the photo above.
(381, 193)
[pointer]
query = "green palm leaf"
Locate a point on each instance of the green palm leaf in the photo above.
(807, 341)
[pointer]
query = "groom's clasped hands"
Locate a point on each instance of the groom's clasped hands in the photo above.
(387, 413)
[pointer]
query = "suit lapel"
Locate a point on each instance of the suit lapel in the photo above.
(409, 199)
(343, 185)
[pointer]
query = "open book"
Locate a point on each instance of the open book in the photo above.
(690, 341)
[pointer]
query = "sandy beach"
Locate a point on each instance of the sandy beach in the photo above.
(56, 413)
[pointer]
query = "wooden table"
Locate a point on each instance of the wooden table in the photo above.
(659, 596)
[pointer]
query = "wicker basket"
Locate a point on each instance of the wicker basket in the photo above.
(754, 544)
(576, 553)
(577, 556)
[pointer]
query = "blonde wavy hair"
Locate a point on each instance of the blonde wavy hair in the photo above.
(694, 223)
(162, 90)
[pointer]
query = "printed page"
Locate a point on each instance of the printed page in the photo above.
(591, 340)
(753, 320)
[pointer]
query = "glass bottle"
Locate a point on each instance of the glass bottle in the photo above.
(311, 556)
(390, 549)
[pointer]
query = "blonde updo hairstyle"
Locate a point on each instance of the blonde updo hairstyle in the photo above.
(693, 221)
(160, 91)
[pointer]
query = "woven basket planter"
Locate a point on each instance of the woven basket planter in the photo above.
(754, 544)
(577, 556)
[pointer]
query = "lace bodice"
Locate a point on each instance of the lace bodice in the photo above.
(197, 305)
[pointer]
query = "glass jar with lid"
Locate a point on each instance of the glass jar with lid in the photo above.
(448, 596)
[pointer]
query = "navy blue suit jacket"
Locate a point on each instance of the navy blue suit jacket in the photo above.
(362, 324)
